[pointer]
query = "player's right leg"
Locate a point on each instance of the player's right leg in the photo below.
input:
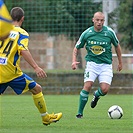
(82, 102)
(47, 119)
(89, 78)
(41, 105)
(23, 84)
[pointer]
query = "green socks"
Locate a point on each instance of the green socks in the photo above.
(84, 98)
(82, 101)
(99, 92)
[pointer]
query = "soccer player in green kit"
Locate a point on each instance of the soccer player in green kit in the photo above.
(98, 41)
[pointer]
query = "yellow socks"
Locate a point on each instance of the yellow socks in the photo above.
(40, 103)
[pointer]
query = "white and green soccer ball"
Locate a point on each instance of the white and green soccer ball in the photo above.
(115, 112)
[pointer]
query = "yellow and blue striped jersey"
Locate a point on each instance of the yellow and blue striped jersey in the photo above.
(10, 54)
(5, 20)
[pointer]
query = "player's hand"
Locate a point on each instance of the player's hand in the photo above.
(74, 65)
(40, 72)
(119, 67)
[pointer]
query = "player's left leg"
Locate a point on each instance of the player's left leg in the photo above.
(101, 91)
(105, 79)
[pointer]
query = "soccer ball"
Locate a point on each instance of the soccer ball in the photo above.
(115, 112)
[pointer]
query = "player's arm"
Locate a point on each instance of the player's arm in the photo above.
(118, 52)
(80, 44)
(74, 58)
(28, 57)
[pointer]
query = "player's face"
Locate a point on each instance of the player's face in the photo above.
(98, 21)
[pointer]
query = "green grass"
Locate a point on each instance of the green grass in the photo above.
(19, 115)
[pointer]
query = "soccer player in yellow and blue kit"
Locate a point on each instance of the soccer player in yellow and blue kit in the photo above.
(5, 21)
(97, 40)
(11, 49)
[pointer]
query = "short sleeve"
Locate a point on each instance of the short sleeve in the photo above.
(82, 40)
(23, 41)
(114, 39)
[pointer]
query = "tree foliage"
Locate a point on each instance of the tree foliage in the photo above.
(124, 15)
(70, 17)
(125, 23)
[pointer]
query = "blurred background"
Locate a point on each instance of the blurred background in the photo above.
(55, 26)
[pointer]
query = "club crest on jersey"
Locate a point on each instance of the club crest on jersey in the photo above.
(3, 60)
(97, 50)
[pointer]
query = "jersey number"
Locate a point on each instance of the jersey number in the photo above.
(8, 47)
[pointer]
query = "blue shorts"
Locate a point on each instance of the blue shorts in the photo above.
(19, 85)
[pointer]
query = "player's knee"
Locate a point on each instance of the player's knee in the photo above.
(37, 89)
(87, 87)
(105, 91)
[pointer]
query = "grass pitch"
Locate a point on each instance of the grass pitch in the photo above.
(19, 115)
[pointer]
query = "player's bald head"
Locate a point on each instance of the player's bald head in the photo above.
(97, 14)
(98, 20)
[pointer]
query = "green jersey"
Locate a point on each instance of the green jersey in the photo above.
(98, 44)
